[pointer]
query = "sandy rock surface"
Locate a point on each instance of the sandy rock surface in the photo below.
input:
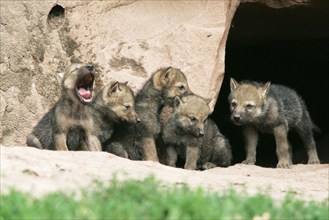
(40, 172)
(125, 40)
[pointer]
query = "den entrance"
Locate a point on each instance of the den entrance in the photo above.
(288, 46)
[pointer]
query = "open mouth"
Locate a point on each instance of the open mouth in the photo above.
(84, 88)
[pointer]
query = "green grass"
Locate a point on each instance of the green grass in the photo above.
(152, 200)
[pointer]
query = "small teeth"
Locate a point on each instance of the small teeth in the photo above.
(86, 100)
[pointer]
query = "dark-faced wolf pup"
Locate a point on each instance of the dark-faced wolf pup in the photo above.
(138, 142)
(70, 111)
(273, 109)
(193, 136)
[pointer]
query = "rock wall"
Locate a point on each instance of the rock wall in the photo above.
(127, 40)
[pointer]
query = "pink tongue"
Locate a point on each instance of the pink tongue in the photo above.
(84, 93)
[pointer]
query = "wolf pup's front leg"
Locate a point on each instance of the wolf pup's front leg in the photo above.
(172, 156)
(93, 144)
(149, 149)
(251, 139)
(282, 146)
(192, 156)
(60, 142)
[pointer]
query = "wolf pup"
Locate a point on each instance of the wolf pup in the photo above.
(114, 104)
(273, 109)
(190, 134)
(139, 140)
(165, 84)
(69, 111)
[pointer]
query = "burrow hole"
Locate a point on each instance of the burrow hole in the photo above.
(56, 16)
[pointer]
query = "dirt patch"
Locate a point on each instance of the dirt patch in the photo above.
(41, 171)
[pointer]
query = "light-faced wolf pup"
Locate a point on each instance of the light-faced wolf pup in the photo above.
(138, 141)
(190, 134)
(114, 104)
(273, 109)
(70, 111)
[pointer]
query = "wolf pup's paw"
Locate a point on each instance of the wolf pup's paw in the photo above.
(190, 167)
(283, 163)
(314, 161)
(172, 164)
(249, 161)
(208, 165)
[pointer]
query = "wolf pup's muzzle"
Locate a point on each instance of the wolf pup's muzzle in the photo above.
(85, 84)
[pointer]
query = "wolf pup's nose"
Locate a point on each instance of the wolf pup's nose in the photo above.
(201, 132)
(90, 67)
(236, 117)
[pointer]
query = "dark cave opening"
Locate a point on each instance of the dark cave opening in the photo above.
(286, 46)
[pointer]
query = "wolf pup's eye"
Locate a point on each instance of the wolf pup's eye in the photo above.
(181, 88)
(250, 106)
(192, 119)
(233, 104)
(127, 107)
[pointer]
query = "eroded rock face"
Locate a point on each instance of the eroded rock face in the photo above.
(127, 40)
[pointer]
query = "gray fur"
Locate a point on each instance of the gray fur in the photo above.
(139, 140)
(199, 142)
(114, 104)
(69, 112)
(276, 110)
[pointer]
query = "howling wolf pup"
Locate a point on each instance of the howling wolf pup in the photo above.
(273, 109)
(69, 112)
(190, 134)
(139, 140)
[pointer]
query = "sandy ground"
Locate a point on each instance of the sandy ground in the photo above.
(40, 172)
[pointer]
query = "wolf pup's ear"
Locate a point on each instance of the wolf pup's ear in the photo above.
(114, 88)
(177, 101)
(165, 77)
(265, 89)
(161, 78)
(233, 84)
